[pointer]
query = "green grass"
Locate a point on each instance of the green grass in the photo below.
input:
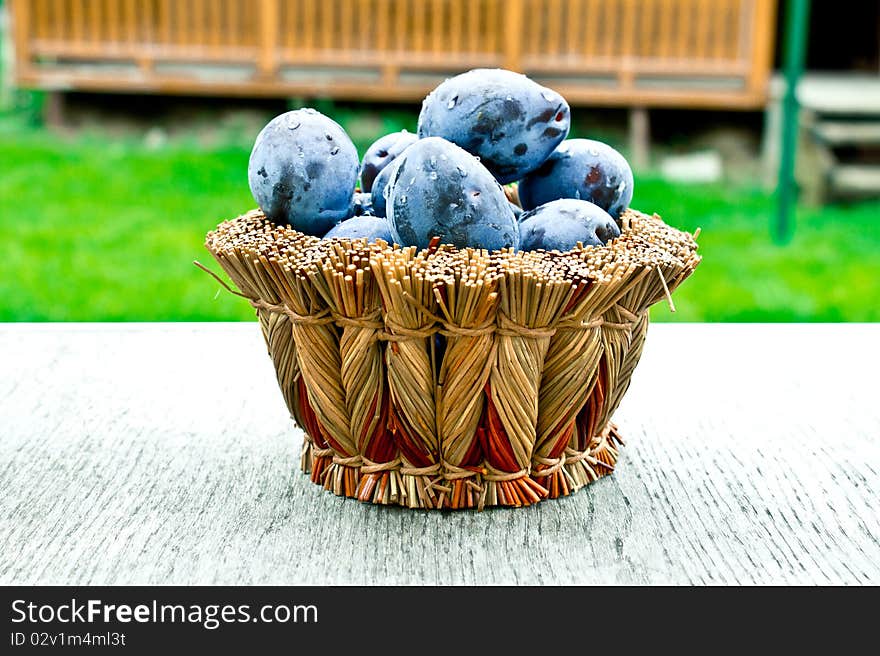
(95, 229)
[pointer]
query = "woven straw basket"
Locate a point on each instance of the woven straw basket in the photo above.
(448, 378)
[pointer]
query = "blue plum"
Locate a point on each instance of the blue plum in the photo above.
(381, 153)
(561, 224)
(438, 189)
(369, 227)
(581, 168)
(378, 192)
(516, 209)
(509, 121)
(363, 204)
(302, 171)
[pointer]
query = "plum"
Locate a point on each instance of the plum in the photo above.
(581, 168)
(363, 204)
(302, 171)
(509, 121)
(438, 189)
(378, 193)
(516, 209)
(369, 227)
(560, 224)
(383, 151)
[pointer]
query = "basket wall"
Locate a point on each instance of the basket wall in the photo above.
(405, 403)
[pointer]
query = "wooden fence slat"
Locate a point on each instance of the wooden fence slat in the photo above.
(455, 26)
(383, 25)
(76, 20)
(309, 18)
(165, 22)
(667, 11)
(417, 25)
(685, 20)
(704, 29)
(627, 21)
(326, 14)
(491, 25)
(646, 44)
(612, 25)
(345, 27)
(233, 27)
(363, 24)
(574, 12)
(268, 61)
(93, 9)
(399, 11)
(40, 19)
(180, 27)
(21, 29)
(554, 27)
(591, 23)
(762, 48)
(718, 31)
(212, 23)
(472, 26)
(513, 25)
(147, 33)
(437, 33)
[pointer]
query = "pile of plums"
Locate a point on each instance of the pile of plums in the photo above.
(477, 131)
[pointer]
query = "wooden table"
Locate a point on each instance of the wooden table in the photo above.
(162, 453)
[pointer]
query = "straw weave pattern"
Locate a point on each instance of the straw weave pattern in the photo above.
(453, 378)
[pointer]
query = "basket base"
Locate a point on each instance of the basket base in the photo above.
(438, 490)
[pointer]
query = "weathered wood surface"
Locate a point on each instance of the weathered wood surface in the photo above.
(163, 454)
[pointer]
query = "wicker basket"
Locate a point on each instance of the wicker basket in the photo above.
(448, 378)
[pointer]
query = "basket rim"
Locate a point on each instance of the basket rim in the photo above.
(646, 241)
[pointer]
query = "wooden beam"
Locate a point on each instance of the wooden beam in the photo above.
(348, 89)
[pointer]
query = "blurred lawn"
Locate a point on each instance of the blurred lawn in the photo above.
(106, 231)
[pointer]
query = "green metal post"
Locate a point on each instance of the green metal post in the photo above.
(796, 28)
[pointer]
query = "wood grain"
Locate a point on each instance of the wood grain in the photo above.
(151, 453)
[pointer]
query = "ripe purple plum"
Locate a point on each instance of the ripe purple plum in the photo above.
(582, 169)
(366, 227)
(560, 224)
(509, 121)
(302, 171)
(381, 153)
(439, 190)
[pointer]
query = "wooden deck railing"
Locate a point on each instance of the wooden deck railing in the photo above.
(625, 52)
